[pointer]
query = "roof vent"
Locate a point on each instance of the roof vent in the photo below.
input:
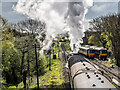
(96, 75)
(93, 85)
(102, 72)
(83, 64)
(99, 78)
(88, 76)
(87, 68)
(102, 81)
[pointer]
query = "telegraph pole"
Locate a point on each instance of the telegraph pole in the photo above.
(58, 50)
(49, 52)
(36, 66)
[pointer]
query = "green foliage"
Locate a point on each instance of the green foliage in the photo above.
(62, 37)
(10, 58)
(4, 24)
(4, 87)
(18, 51)
(109, 29)
(94, 40)
(12, 88)
(108, 43)
(51, 78)
(42, 63)
(110, 63)
(67, 45)
(97, 40)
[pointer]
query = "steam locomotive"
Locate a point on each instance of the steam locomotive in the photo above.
(85, 75)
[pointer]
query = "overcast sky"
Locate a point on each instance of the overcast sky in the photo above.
(97, 10)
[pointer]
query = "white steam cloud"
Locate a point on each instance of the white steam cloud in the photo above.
(75, 17)
(58, 16)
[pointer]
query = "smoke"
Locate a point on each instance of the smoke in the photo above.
(59, 17)
(75, 18)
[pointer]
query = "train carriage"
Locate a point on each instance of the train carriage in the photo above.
(89, 52)
(101, 53)
(86, 76)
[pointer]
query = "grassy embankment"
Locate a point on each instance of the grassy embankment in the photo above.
(52, 78)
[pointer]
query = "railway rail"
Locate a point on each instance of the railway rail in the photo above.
(63, 48)
(107, 72)
(66, 72)
(64, 52)
(108, 69)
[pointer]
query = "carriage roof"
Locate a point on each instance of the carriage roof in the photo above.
(100, 48)
(86, 48)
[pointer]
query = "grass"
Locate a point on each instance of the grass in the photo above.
(67, 45)
(110, 63)
(52, 78)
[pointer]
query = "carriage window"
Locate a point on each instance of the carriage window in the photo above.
(103, 51)
(88, 51)
(91, 51)
(100, 51)
(97, 51)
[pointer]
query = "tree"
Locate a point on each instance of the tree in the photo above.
(109, 28)
(4, 24)
(97, 40)
(10, 62)
(10, 58)
(9, 53)
(17, 47)
(32, 27)
(34, 31)
(96, 28)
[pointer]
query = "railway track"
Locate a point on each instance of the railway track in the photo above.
(63, 48)
(107, 71)
(64, 52)
(66, 72)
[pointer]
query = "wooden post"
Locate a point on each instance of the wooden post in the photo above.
(49, 62)
(36, 66)
(23, 53)
(58, 51)
(28, 72)
(49, 52)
